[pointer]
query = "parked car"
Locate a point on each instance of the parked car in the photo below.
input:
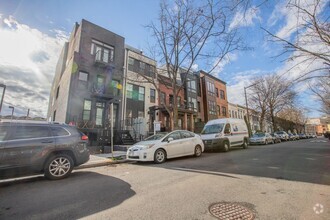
(225, 133)
(276, 138)
(302, 136)
(33, 148)
(283, 135)
(160, 147)
(296, 136)
(261, 138)
(292, 137)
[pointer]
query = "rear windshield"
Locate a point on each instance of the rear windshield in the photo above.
(212, 129)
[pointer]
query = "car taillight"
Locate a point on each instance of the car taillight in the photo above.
(84, 137)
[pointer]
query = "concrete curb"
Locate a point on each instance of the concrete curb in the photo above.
(100, 164)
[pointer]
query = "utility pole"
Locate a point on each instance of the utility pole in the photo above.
(111, 128)
(12, 111)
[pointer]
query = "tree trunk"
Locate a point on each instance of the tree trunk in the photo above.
(273, 118)
(261, 122)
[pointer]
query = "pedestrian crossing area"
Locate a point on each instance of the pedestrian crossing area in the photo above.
(318, 141)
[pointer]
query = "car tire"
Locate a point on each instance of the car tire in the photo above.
(226, 146)
(160, 156)
(198, 151)
(245, 144)
(58, 166)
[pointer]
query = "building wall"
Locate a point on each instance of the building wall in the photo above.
(136, 79)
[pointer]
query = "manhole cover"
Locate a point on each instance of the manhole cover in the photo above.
(231, 211)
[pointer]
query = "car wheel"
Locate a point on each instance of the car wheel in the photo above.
(226, 146)
(160, 156)
(58, 167)
(245, 144)
(198, 151)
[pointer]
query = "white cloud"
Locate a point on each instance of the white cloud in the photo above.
(27, 64)
(245, 18)
(293, 17)
(235, 87)
(219, 66)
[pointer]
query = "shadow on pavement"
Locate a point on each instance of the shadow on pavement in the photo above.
(80, 195)
(302, 161)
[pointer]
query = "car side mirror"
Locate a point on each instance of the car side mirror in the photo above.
(169, 140)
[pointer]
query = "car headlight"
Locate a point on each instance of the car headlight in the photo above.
(147, 146)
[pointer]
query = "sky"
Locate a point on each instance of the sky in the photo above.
(33, 32)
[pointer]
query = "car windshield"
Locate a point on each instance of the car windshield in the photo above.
(279, 132)
(212, 129)
(155, 137)
(259, 135)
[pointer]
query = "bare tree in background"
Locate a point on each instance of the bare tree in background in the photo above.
(321, 89)
(280, 94)
(294, 114)
(187, 33)
(258, 99)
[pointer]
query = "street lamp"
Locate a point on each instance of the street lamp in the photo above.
(2, 94)
(247, 107)
(12, 111)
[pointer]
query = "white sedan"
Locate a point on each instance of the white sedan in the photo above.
(160, 147)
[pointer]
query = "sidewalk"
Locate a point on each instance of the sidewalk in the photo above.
(96, 160)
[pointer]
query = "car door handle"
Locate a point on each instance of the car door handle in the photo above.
(49, 141)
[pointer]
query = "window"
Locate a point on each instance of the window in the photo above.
(58, 131)
(102, 52)
(57, 91)
(99, 113)
(218, 108)
(142, 67)
(199, 106)
(210, 89)
(151, 71)
(87, 110)
(171, 99)
(217, 92)
(191, 85)
(187, 134)
(224, 111)
(129, 91)
(115, 87)
(141, 93)
(130, 63)
(152, 95)
(23, 132)
(174, 135)
(99, 81)
(82, 80)
(83, 76)
(235, 114)
(178, 99)
(162, 98)
(222, 94)
(212, 108)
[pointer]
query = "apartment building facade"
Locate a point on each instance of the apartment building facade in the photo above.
(138, 94)
(214, 97)
(88, 79)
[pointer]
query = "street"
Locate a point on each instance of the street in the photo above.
(290, 180)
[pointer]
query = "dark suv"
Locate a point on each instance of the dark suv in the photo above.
(49, 148)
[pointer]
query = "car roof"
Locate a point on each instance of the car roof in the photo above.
(224, 120)
(29, 122)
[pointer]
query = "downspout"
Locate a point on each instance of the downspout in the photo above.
(124, 89)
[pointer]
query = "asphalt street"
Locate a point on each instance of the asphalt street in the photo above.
(290, 180)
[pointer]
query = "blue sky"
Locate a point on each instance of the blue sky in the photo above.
(48, 24)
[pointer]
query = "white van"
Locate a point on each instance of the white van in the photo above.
(225, 133)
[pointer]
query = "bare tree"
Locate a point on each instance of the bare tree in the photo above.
(281, 95)
(312, 39)
(321, 89)
(294, 114)
(187, 33)
(258, 99)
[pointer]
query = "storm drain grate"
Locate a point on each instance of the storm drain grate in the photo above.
(231, 211)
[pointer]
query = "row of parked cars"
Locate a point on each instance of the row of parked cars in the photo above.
(277, 137)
